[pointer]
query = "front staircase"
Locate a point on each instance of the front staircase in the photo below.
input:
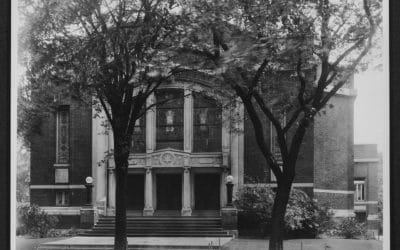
(162, 226)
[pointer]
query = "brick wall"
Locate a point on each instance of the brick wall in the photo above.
(333, 154)
(43, 152)
(43, 155)
(81, 138)
(278, 82)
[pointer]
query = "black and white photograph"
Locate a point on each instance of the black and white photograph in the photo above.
(200, 124)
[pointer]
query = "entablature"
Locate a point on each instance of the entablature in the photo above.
(172, 158)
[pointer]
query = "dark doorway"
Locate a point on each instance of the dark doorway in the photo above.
(169, 191)
(135, 192)
(207, 191)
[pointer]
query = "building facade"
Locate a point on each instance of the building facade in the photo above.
(184, 149)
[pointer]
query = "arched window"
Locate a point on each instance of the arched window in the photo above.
(207, 122)
(169, 120)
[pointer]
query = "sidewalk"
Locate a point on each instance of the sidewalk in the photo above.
(137, 243)
(307, 244)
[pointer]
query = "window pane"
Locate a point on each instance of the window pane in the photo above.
(169, 119)
(207, 122)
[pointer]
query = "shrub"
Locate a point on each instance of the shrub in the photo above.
(350, 228)
(34, 221)
(303, 215)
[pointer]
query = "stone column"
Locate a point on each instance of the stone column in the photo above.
(111, 192)
(151, 125)
(223, 191)
(188, 121)
(148, 193)
(236, 146)
(99, 166)
(186, 207)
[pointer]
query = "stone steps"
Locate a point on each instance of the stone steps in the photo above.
(162, 227)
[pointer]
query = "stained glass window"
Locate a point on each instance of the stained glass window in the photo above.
(63, 134)
(274, 140)
(275, 145)
(139, 136)
(207, 122)
(169, 118)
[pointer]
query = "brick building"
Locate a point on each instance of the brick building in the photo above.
(368, 186)
(183, 153)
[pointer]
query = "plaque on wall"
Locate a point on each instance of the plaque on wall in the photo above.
(61, 175)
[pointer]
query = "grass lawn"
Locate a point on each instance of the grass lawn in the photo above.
(308, 244)
(28, 243)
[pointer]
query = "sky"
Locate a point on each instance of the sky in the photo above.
(371, 109)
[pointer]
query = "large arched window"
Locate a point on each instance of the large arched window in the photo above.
(169, 120)
(207, 122)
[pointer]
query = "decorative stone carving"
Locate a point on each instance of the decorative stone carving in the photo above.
(167, 158)
(61, 175)
(137, 161)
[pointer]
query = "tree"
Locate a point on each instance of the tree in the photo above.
(117, 51)
(248, 41)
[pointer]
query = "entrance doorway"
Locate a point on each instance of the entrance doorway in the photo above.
(207, 191)
(135, 192)
(169, 191)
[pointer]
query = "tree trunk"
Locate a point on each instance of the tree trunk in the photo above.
(278, 215)
(121, 154)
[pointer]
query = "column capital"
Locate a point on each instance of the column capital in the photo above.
(148, 169)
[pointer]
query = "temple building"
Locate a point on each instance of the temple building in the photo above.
(182, 153)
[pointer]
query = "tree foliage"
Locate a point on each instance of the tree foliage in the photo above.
(302, 213)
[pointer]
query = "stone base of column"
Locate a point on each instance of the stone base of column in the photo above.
(186, 212)
(88, 217)
(110, 212)
(148, 211)
(229, 217)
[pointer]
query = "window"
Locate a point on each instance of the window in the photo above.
(274, 144)
(62, 198)
(359, 190)
(207, 122)
(169, 119)
(63, 134)
(139, 136)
